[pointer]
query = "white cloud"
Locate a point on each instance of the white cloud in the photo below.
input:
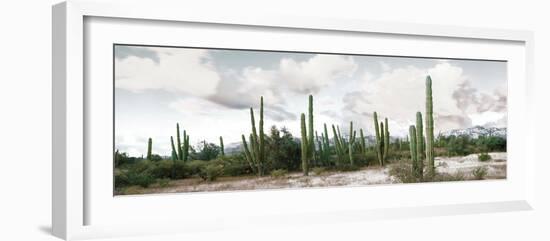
(178, 70)
(399, 93)
(317, 72)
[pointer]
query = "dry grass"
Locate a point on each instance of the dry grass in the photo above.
(448, 169)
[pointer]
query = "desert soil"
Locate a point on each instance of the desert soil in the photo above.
(496, 169)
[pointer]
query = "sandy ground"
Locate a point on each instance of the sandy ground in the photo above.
(496, 168)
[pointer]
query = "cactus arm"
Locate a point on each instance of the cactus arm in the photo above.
(180, 157)
(311, 143)
(413, 149)
(186, 147)
(261, 154)
(247, 154)
(378, 144)
(386, 139)
(174, 153)
(221, 146)
(304, 151)
(429, 127)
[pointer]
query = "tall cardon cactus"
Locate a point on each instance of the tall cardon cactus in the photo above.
(351, 143)
(429, 127)
(419, 145)
(174, 152)
(222, 151)
(149, 149)
(413, 149)
(382, 139)
(308, 144)
(305, 146)
(255, 154)
(339, 146)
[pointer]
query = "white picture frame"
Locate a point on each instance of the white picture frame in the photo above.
(75, 198)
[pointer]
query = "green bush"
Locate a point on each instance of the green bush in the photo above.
(162, 169)
(139, 174)
(121, 180)
(483, 157)
(479, 173)
(181, 170)
(195, 167)
(211, 172)
(279, 173)
(143, 179)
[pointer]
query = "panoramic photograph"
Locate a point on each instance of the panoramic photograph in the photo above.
(208, 120)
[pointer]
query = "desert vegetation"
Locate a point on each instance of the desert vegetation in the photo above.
(275, 158)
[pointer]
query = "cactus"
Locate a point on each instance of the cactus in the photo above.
(320, 153)
(221, 146)
(413, 149)
(325, 145)
(255, 154)
(174, 153)
(386, 138)
(182, 150)
(308, 144)
(305, 145)
(378, 145)
(351, 143)
(429, 127)
(419, 144)
(149, 148)
(179, 150)
(362, 144)
(382, 139)
(185, 146)
(310, 134)
(339, 146)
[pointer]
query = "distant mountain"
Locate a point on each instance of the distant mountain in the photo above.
(476, 131)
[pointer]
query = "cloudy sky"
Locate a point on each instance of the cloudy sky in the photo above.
(209, 92)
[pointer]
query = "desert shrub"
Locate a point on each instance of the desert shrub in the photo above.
(206, 151)
(282, 150)
(122, 159)
(491, 143)
(196, 166)
(211, 172)
(347, 168)
(143, 179)
(162, 169)
(233, 165)
(479, 173)
(459, 145)
(319, 170)
(139, 174)
(402, 172)
(180, 170)
(163, 182)
(121, 180)
(483, 157)
(156, 158)
(236, 169)
(370, 158)
(279, 173)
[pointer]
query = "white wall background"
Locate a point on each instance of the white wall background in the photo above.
(25, 119)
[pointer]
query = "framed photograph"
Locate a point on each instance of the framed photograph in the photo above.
(177, 121)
